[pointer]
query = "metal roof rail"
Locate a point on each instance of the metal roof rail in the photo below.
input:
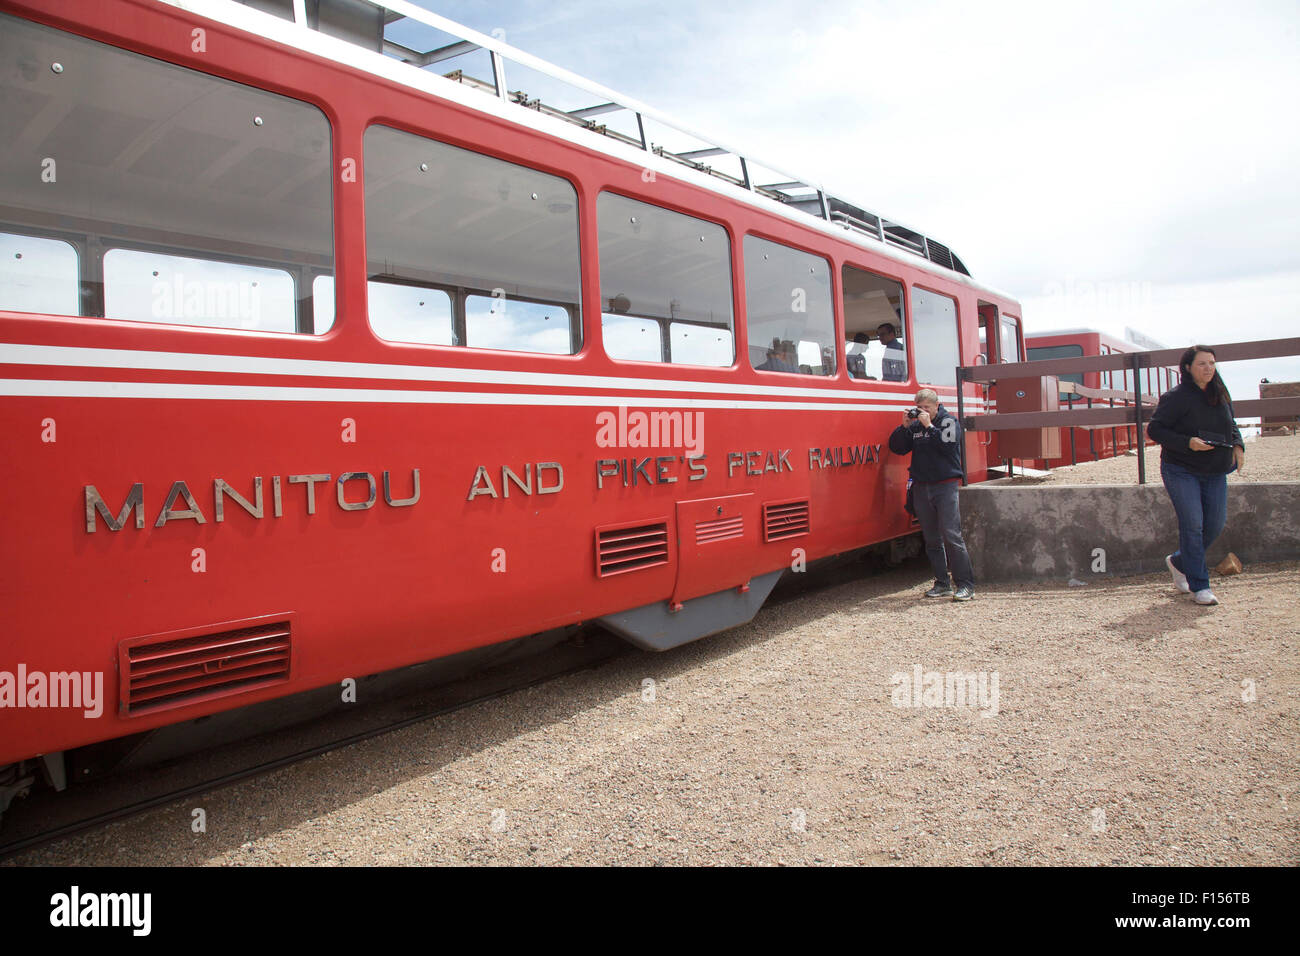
(792, 191)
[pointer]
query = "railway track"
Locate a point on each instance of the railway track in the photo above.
(47, 816)
(91, 806)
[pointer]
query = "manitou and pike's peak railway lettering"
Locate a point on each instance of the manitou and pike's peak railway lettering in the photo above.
(666, 469)
(221, 489)
(482, 483)
(843, 456)
(633, 471)
(759, 462)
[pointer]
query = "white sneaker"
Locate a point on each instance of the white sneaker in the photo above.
(1206, 596)
(1180, 579)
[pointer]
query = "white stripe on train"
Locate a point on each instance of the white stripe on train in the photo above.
(123, 359)
(48, 388)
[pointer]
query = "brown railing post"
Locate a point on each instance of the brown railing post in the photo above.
(1069, 401)
(1137, 410)
(961, 418)
(1092, 441)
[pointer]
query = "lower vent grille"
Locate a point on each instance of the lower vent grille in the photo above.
(619, 550)
(172, 672)
(786, 519)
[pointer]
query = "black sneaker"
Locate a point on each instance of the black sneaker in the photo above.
(939, 590)
(964, 594)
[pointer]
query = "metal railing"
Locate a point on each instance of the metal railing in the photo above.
(1138, 412)
(798, 193)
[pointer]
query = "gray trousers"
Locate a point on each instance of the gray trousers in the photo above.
(940, 516)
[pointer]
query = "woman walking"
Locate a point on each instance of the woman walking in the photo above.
(1199, 445)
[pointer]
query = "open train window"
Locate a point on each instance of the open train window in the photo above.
(697, 344)
(518, 325)
(411, 313)
(157, 287)
(788, 311)
(874, 329)
(934, 332)
(147, 167)
(38, 275)
(665, 285)
(501, 239)
(632, 338)
(1010, 335)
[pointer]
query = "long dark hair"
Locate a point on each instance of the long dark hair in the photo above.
(1216, 391)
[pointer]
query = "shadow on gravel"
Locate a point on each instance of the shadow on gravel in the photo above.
(255, 808)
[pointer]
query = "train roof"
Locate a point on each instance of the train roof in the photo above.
(348, 41)
(1112, 340)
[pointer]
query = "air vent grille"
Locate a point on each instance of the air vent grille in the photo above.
(634, 548)
(785, 519)
(939, 253)
(719, 529)
(172, 672)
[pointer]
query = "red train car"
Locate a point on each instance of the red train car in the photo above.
(1093, 444)
(315, 363)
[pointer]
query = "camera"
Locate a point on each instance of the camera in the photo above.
(914, 412)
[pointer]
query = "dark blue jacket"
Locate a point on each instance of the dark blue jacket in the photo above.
(1186, 411)
(933, 459)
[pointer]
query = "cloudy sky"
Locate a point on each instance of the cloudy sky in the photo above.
(1110, 165)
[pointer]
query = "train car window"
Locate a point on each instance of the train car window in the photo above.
(38, 275)
(399, 313)
(701, 345)
(632, 338)
(502, 239)
(410, 313)
(788, 311)
(180, 290)
(500, 322)
(322, 303)
(120, 153)
(934, 334)
(873, 326)
(667, 269)
(1059, 351)
(1010, 338)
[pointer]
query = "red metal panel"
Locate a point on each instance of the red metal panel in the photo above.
(717, 544)
(1029, 395)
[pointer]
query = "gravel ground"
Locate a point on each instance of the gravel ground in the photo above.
(1267, 459)
(1131, 727)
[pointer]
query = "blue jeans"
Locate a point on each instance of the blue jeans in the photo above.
(1201, 503)
(937, 509)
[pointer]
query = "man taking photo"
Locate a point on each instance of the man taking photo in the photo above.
(933, 438)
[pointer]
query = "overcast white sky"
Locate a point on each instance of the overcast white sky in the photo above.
(1108, 164)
